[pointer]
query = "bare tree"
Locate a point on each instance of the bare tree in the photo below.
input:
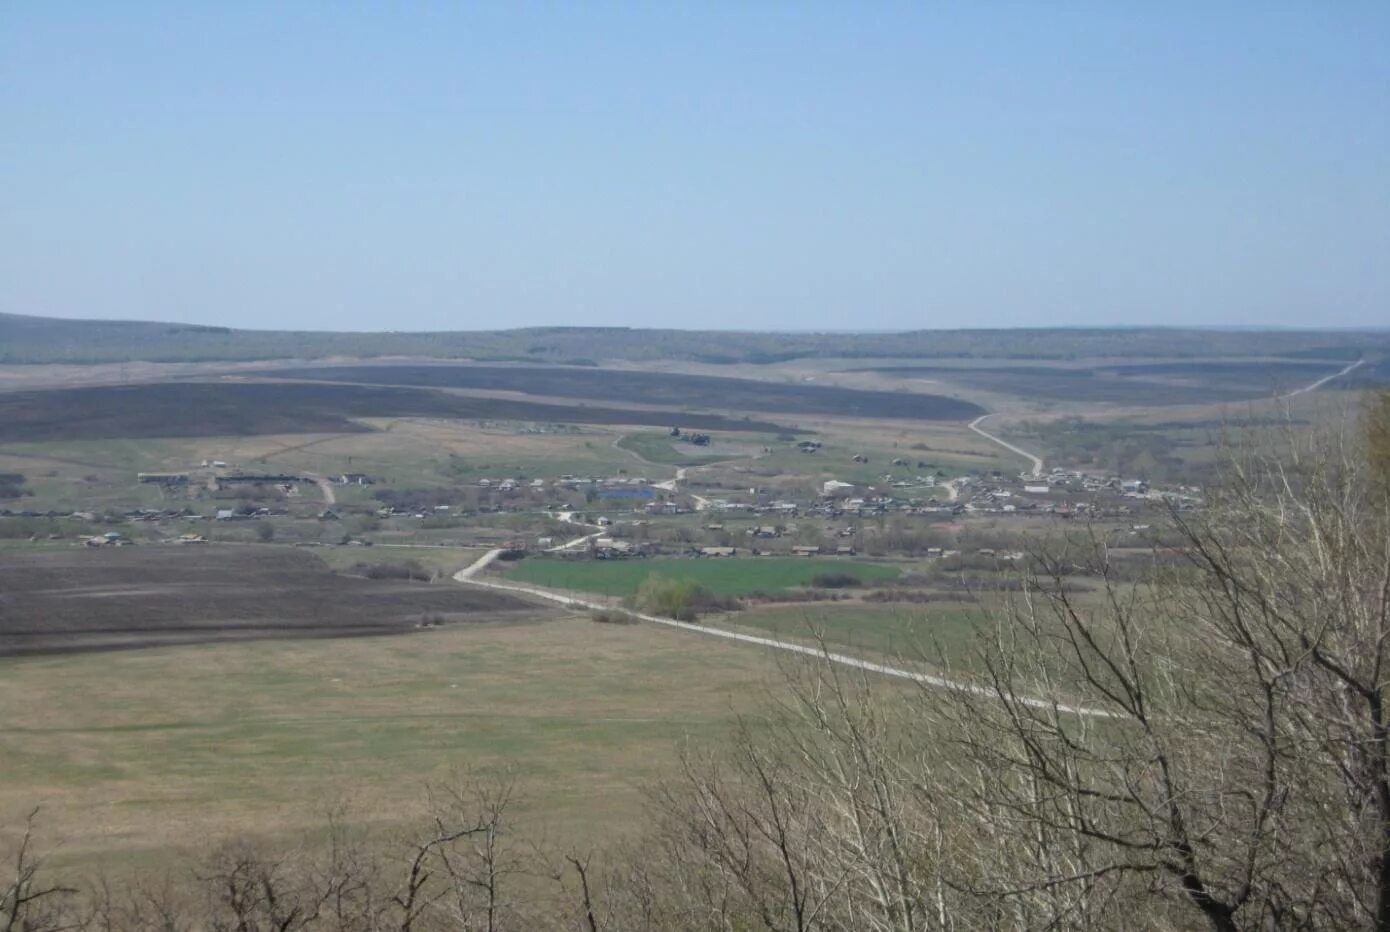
(251, 891)
(28, 902)
(459, 876)
(350, 876)
(481, 862)
(821, 817)
(1231, 754)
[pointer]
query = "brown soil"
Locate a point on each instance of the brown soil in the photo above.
(114, 598)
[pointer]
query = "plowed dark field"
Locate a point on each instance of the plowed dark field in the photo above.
(108, 599)
(227, 409)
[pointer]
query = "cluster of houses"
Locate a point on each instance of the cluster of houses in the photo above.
(1089, 495)
(247, 513)
(92, 517)
(612, 548)
(510, 485)
(109, 539)
(1070, 494)
(1092, 484)
(865, 506)
(800, 550)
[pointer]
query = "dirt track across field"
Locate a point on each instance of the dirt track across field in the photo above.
(473, 576)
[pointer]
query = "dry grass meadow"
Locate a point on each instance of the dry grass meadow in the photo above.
(137, 756)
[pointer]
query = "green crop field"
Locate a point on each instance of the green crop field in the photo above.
(725, 576)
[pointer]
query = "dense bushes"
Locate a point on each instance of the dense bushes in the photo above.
(680, 599)
(612, 616)
(669, 598)
(796, 595)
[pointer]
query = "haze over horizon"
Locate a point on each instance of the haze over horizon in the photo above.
(812, 167)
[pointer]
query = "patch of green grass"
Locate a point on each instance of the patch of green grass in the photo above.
(939, 633)
(725, 576)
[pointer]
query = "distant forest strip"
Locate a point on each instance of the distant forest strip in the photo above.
(25, 339)
(701, 391)
(221, 409)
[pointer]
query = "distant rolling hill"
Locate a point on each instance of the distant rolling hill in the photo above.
(25, 339)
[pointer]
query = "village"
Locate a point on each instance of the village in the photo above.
(621, 516)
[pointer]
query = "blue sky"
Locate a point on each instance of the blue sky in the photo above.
(770, 165)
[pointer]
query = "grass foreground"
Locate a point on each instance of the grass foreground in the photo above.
(137, 755)
(944, 633)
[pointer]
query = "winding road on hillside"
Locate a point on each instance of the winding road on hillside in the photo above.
(470, 574)
(329, 496)
(670, 485)
(1037, 460)
(568, 517)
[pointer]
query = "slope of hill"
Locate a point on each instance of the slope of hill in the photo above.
(664, 388)
(25, 339)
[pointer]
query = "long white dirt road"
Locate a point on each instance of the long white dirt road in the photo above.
(469, 575)
(1037, 460)
(1324, 380)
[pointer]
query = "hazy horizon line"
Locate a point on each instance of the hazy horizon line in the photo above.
(870, 331)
